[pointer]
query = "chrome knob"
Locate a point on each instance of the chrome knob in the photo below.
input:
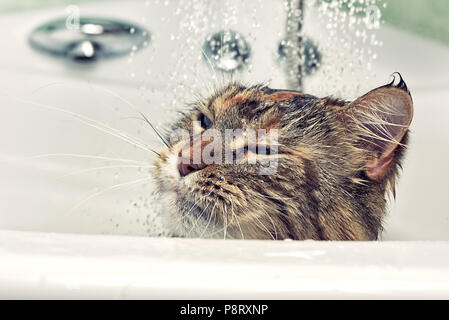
(227, 51)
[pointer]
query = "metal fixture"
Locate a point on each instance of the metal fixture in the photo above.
(227, 51)
(91, 39)
(310, 52)
(294, 49)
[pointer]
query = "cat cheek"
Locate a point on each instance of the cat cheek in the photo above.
(166, 168)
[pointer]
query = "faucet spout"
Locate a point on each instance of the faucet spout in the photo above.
(294, 44)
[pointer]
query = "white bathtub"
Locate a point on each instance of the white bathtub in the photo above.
(55, 244)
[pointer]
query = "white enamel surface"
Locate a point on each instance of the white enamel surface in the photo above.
(45, 265)
(34, 197)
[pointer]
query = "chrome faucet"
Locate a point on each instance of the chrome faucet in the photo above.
(294, 45)
(89, 39)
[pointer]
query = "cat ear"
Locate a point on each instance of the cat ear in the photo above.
(382, 118)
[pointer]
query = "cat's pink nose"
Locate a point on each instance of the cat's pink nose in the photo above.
(185, 167)
(186, 155)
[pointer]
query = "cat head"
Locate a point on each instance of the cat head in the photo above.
(283, 164)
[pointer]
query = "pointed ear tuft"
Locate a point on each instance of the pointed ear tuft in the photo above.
(400, 83)
(381, 119)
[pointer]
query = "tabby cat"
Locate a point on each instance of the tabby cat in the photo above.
(337, 162)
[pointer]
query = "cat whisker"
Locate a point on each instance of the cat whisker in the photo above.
(186, 216)
(116, 186)
(225, 218)
(88, 157)
(272, 222)
(164, 141)
(117, 96)
(265, 228)
(101, 168)
(198, 219)
(104, 90)
(95, 124)
(237, 221)
(274, 226)
(191, 208)
(219, 231)
(209, 62)
(209, 220)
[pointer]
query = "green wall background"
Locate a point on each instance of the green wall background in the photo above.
(429, 18)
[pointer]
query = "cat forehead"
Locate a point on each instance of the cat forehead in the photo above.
(253, 100)
(234, 97)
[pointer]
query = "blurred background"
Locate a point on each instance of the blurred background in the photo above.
(424, 17)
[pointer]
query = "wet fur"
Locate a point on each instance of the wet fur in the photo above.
(321, 189)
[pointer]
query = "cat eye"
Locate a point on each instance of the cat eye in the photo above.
(256, 149)
(205, 121)
(265, 150)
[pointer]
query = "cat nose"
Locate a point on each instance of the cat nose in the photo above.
(187, 161)
(185, 167)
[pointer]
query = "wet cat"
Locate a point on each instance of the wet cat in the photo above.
(336, 163)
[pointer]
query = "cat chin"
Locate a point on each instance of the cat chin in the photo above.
(189, 227)
(193, 228)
